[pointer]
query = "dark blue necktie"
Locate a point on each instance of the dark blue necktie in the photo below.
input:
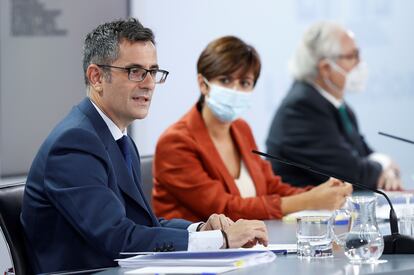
(126, 152)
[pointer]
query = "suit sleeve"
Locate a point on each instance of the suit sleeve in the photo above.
(276, 188)
(179, 168)
(312, 137)
(77, 182)
(174, 223)
(354, 120)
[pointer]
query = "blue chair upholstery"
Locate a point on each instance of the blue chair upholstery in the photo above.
(146, 174)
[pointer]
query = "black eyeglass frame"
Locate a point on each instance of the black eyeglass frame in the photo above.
(128, 69)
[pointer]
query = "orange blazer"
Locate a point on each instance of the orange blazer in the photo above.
(192, 182)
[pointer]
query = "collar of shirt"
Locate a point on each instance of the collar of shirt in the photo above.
(115, 131)
(335, 102)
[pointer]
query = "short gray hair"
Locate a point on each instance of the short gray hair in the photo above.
(101, 45)
(321, 40)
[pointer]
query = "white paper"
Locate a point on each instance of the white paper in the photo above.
(181, 270)
(383, 212)
(223, 257)
(290, 248)
(304, 213)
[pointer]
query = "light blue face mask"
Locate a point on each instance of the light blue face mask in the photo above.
(227, 104)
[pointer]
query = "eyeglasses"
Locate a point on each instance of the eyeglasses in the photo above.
(138, 74)
(351, 56)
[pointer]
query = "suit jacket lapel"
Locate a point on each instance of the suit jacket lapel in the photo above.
(353, 138)
(199, 130)
(323, 104)
(137, 175)
(125, 182)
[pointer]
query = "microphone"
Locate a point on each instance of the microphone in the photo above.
(395, 137)
(394, 243)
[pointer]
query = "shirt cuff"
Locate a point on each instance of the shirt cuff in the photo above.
(382, 159)
(193, 227)
(206, 240)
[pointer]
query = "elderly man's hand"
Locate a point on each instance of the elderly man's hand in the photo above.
(217, 222)
(389, 179)
(247, 233)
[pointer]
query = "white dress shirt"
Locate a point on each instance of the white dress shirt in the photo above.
(333, 100)
(198, 241)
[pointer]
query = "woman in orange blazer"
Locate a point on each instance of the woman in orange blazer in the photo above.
(203, 163)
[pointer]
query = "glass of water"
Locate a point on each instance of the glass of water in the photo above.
(314, 236)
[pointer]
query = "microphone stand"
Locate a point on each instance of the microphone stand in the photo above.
(400, 241)
(395, 137)
(394, 243)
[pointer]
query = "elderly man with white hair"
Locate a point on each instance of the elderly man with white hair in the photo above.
(314, 125)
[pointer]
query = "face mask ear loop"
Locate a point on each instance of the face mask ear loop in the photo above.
(207, 84)
(337, 68)
(206, 81)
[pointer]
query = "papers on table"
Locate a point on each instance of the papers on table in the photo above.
(181, 270)
(292, 216)
(340, 219)
(402, 202)
(277, 248)
(399, 200)
(383, 211)
(224, 257)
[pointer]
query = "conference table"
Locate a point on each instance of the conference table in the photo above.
(285, 233)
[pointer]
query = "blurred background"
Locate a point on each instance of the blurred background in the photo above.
(41, 74)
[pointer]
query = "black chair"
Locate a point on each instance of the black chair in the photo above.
(146, 176)
(11, 198)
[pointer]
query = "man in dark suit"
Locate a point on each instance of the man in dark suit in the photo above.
(314, 125)
(83, 202)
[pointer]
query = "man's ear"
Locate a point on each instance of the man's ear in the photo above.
(202, 84)
(324, 68)
(95, 77)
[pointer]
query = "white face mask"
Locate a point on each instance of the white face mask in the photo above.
(355, 79)
(227, 104)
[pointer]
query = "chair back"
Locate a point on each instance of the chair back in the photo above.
(146, 176)
(11, 198)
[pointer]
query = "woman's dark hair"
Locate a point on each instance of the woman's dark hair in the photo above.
(225, 56)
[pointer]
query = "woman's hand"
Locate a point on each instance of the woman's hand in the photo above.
(329, 195)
